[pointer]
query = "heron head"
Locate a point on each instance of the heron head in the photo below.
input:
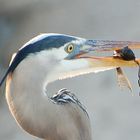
(57, 53)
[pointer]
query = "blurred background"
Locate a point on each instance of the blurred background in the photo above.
(114, 114)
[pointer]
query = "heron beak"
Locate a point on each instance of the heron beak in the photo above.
(107, 62)
(106, 45)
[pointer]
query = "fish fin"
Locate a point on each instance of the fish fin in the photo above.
(122, 79)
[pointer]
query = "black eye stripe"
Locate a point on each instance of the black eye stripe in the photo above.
(48, 42)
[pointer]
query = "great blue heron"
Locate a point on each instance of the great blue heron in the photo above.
(46, 58)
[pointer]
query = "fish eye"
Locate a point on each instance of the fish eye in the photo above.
(70, 48)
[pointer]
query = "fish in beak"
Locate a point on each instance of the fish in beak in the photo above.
(122, 56)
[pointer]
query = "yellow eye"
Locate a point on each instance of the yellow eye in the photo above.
(70, 48)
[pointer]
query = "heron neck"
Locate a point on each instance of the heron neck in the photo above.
(34, 111)
(27, 99)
